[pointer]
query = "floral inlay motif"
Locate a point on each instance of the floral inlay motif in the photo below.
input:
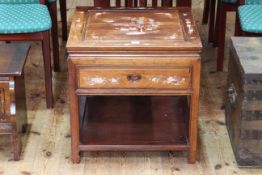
(137, 26)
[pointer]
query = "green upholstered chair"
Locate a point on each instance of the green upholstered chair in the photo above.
(31, 22)
(221, 25)
(249, 19)
(52, 8)
(217, 31)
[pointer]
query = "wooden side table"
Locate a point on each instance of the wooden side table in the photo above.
(13, 116)
(134, 80)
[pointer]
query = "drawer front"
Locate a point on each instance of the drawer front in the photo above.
(126, 78)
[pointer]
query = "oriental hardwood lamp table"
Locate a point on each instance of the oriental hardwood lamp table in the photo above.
(13, 116)
(134, 80)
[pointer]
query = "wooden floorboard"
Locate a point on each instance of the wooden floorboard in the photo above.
(46, 148)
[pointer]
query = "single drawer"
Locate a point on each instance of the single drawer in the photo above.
(126, 78)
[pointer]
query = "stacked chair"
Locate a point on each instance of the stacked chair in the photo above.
(217, 22)
(29, 20)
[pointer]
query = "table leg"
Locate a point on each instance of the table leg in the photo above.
(74, 114)
(194, 108)
(16, 146)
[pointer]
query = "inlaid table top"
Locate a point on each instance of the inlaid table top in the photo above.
(12, 59)
(143, 30)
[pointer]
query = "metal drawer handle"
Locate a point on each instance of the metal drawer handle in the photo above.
(134, 77)
(232, 93)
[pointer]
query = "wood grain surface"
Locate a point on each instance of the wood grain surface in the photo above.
(103, 62)
(12, 58)
(244, 100)
(137, 30)
(138, 123)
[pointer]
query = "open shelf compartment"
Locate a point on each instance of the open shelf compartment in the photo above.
(133, 123)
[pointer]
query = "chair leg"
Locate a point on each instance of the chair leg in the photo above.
(62, 4)
(53, 13)
(238, 31)
(221, 38)
(211, 20)
(47, 69)
(206, 11)
(219, 5)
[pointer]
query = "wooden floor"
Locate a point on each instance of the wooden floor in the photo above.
(46, 148)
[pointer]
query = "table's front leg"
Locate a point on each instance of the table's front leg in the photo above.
(194, 109)
(16, 145)
(74, 114)
(183, 3)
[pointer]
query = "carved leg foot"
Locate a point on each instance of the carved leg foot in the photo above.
(76, 158)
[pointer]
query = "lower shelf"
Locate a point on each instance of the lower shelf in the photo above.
(132, 123)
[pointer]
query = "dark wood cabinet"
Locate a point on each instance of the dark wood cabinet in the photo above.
(134, 80)
(244, 100)
(13, 117)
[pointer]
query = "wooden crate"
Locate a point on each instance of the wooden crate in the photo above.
(244, 100)
(13, 116)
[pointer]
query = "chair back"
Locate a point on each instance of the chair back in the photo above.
(132, 3)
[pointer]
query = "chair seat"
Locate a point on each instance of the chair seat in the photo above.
(26, 18)
(23, 1)
(251, 18)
